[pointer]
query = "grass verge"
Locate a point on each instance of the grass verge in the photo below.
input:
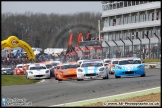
(8, 80)
(151, 60)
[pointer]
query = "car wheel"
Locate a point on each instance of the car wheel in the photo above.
(79, 79)
(59, 79)
(143, 75)
(106, 77)
(117, 76)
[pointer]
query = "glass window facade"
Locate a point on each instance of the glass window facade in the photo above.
(129, 19)
(114, 36)
(114, 6)
(125, 4)
(129, 3)
(125, 19)
(121, 4)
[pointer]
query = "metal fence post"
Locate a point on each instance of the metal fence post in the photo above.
(124, 45)
(149, 43)
(132, 45)
(140, 45)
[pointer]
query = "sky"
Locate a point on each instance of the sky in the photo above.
(48, 7)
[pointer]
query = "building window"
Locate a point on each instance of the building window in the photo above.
(110, 6)
(121, 4)
(137, 18)
(157, 15)
(128, 35)
(141, 2)
(133, 19)
(114, 6)
(107, 7)
(114, 22)
(145, 1)
(129, 19)
(144, 17)
(132, 35)
(118, 5)
(110, 37)
(113, 37)
(117, 36)
(152, 16)
(125, 3)
(111, 22)
(120, 35)
(137, 35)
(103, 7)
(129, 3)
(117, 21)
(141, 18)
(106, 23)
(147, 17)
(137, 2)
(125, 19)
(133, 3)
(142, 34)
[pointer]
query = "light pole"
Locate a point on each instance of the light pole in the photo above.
(140, 45)
(158, 45)
(124, 45)
(132, 45)
(149, 43)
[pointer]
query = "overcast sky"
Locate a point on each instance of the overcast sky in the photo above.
(50, 7)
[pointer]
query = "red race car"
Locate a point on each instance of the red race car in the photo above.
(20, 69)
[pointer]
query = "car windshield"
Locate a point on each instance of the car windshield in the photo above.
(38, 67)
(49, 66)
(19, 66)
(107, 61)
(124, 62)
(91, 64)
(54, 64)
(69, 66)
(115, 62)
(134, 61)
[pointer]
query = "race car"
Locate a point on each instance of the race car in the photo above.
(7, 71)
(127, 67)
(92, 69)
(20, 69)
(112, 63)
(37, 71)
(66, 71)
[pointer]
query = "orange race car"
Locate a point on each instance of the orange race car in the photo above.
(20, 69)
(66, 71)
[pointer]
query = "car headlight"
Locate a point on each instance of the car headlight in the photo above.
(118, 67)
(101, 69)
(140, 66)
(47, 71)
(31, 72)
(80, 70)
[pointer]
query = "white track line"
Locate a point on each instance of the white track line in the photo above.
(105, 97)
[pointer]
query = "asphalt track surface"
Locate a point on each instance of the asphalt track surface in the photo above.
(52, 92)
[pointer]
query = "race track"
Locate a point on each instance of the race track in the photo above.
(52, 92)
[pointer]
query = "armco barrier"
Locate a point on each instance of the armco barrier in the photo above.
(153, 65)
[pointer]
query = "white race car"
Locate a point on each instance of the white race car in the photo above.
(37, 71)
(92, 69)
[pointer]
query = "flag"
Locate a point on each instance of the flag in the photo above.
(70, 40)
(79, 38)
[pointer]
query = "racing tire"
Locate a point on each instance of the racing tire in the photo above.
(117, 76)
(79, 79)
(59, 79)
(143, 75)
(106, 77)
(56, 78)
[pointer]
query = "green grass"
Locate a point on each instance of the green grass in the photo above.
(151, 60)
(8, 80)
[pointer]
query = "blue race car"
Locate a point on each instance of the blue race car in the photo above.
(129, 67)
